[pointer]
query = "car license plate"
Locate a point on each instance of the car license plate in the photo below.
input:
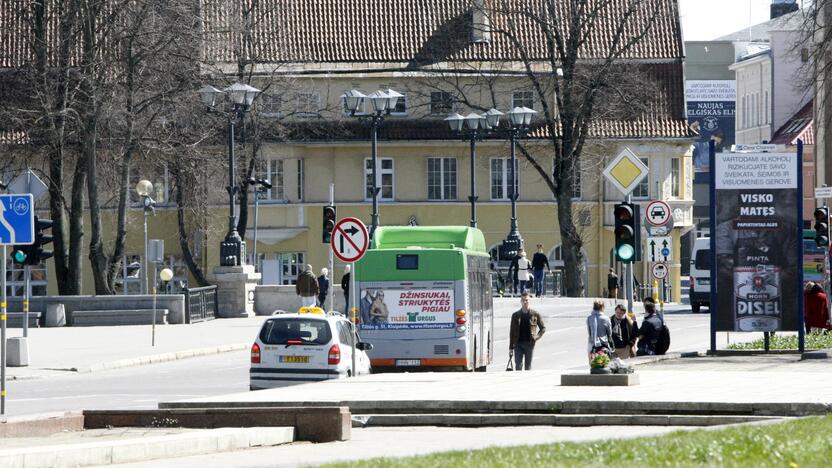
(294, 359)
(408, 362)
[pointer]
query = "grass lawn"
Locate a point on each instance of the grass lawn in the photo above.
(805, 442)
(813, 341)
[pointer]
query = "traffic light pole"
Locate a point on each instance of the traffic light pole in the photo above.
(628, 274)
(26, 272)
(3, 334)
(331, 260)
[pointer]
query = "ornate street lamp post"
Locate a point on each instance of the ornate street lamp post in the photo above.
(520, 118)
(260, 186)
(144, 188)
(232, 248)
(383, 102)
(476, 126)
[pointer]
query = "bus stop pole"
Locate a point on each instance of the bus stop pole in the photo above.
(353, 293)
(3, 334)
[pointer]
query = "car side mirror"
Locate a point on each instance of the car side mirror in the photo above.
(364, 346)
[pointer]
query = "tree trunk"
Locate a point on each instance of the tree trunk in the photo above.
(571, 244)
(76, 228)
(121, 224)
(187, 255)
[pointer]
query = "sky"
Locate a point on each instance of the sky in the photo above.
(704, 20)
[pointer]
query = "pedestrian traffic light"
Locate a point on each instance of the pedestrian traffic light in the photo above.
(329, 223)
(626, 232)
(821, 226)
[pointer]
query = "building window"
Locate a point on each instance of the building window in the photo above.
(291, 264)
(766, 108)
(386, 179)
(500, 179)
(308, 104)
(401, 106)
(522, 99)
(674, 177)
(643, 188)
(268, 105)
(744, 119)
(300, 179)
(272, 169)
(441, 102)
(441, 178)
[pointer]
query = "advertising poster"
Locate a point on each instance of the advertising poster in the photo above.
(711, 106)
(392, 309)
(757, 239)
(814, 262)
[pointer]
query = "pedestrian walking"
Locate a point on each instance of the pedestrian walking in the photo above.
(539, 260)
(624, 333)
(345, 286)
(306, 287)
(599, 331)
(815, 308)
(524, 272)
(512, 274)
(323, 287)
(648, 332)
(526, 328)
(612, 284)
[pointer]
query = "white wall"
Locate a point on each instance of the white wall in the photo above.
(789, 92)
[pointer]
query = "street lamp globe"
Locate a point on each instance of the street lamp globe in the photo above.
(474, 121)
(379, 99)
(455, 121)
(527, 116)
(354, 100)
(166, 275)
(492, 118)
(516, 116)
(144, 188)
(392, 99)
(209, 95)
(242, 94)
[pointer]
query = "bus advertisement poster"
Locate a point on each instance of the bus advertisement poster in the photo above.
(407, 308)
(756, 230)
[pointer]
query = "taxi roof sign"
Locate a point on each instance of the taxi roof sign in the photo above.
(311, 310)
(626, 171)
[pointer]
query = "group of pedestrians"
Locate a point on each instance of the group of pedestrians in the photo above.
(528, 274)
(312, 291)
(619, 335)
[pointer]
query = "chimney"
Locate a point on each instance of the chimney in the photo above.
(781, 7)
(481, 23)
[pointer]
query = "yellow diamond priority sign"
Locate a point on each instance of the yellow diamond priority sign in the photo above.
(626, 171)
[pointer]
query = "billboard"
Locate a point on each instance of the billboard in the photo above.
(395, 309)
(711, 106)
(758, 237)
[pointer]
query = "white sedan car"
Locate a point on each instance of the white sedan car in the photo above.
(307, 346)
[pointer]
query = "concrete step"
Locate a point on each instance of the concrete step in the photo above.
(81, 318)
(518, 419)
(15, 319)
(77, 449)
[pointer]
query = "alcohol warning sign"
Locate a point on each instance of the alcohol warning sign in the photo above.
(406, 308)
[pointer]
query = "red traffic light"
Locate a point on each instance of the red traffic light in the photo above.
(623, 212)
(822, 214)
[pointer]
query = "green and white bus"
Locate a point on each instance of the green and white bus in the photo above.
(424, 299)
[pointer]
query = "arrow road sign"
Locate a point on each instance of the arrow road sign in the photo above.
(659, 270)
(17, 220)
(658, 213)
(350, 239)
(659, 249)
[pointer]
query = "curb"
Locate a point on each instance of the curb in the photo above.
(139, 361)
(146, 448)
(818, 354)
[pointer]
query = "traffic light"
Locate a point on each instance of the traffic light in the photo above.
(328, 223)
(627, 233)
(38, 254)
(20, 254)
(821, 226)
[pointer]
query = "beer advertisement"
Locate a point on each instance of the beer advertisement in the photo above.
(757, 241)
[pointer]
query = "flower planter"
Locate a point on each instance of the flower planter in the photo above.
(600, 370)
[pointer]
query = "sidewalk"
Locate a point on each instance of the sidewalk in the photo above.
(54, 351)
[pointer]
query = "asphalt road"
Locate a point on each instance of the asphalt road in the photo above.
(562, 347)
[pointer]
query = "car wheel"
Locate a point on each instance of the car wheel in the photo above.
(695, 307)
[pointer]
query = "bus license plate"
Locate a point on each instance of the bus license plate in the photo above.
(294, 359)
(408, 362)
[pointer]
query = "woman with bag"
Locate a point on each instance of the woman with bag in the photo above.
(599, 329)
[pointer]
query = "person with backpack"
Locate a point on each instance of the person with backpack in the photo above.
(649, 331)
(624, 333)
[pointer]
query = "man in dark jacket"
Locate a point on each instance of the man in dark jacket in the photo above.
(323, 286)
(612, 284)
(648, 332)
(307, 287)
(526, 328)
(345, 285)
(538, 262)
(512, 274)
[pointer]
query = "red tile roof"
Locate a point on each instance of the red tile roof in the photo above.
(798, 127)
(421, 31)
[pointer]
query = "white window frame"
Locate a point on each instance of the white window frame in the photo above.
(504, 182)
(311, 97)
(520, 97)
(269, 105)
(675, 177)
(644, 183)
(267, 169)
(368, 173)
(443, 175)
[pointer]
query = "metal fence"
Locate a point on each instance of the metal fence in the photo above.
(200, 304)
(501, 284)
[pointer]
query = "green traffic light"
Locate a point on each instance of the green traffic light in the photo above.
(19, 256)
(626, 252)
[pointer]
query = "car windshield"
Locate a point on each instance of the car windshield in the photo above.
(295, 331)
(703, 259)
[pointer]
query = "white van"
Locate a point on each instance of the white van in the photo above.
(700, 274)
